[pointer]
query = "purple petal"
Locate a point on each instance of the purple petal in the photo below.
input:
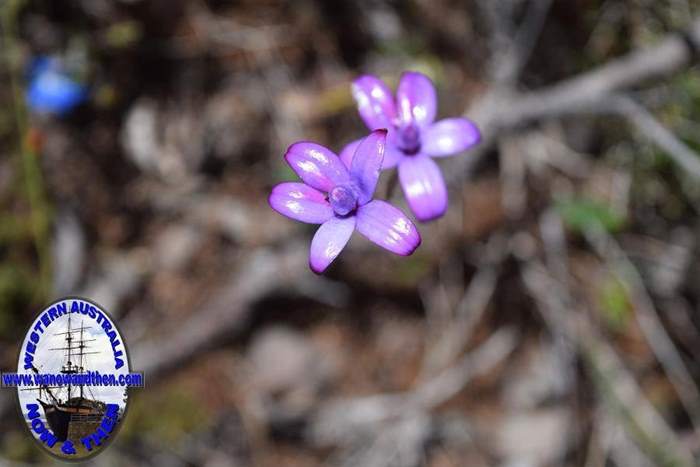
(316, 165)
(392, 154)
(450, 136)
(423, 186)
(348, 152)
(367, 164)
(329, 241)
(416, 99)
(388, 227)
(300, 202)
(375, 102)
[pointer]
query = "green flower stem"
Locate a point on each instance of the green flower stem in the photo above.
(28, 159)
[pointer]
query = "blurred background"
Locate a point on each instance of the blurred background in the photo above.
(549, 319)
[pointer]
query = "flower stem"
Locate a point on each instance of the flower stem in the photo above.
(28, 162)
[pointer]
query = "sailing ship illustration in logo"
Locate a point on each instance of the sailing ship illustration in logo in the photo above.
(71, 412)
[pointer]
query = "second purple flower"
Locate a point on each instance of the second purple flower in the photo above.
(414, 138)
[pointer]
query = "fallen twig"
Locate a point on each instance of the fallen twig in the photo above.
(615, 384)
(503, 109)
(650, 324)
(339, 420)
(258, 273)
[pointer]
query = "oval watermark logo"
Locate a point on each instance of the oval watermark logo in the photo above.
(73, 378)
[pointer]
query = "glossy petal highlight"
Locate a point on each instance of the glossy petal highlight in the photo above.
(375, 102)
(329, 241)
(316, 165)
(450, 136)
(367, 164)
(423, 187)
(416, 99)
(300, 202)
(388, 227)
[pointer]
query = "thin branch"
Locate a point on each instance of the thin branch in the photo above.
(259, 273)
(509, 63)
(501, 110)
(615, 384)
(459, 329)
(342, 419)
(651, 325)
(447, 384)
(618, 388)
(669, 56)
(655, 132)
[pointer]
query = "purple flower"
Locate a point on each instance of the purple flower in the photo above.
(340, 199)
(413, 139)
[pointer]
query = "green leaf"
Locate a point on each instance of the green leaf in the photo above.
(581, 215)
(614, 303)
(123, 34)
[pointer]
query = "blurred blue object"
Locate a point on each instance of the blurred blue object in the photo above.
(51, 89)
